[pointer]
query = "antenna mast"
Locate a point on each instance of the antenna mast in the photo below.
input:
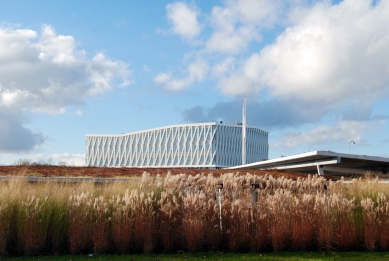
(244, 132)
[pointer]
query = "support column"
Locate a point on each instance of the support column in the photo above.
(320, 170)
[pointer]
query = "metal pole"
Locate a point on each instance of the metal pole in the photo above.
(244, 132)
(220, 210)
(351, 142)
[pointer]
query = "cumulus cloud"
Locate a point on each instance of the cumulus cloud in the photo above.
(223, 68)
(331, 54)
(327, 54)
(239, 22)
(183, 19)
(197, 70)
(46, 73)
(234, 25)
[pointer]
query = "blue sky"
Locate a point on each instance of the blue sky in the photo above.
(316, 73)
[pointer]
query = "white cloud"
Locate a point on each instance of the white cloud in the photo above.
(70, 159)
(9, 97)
(342, 132)
(328, 53)
(46, 73)
(196, 73)
(239, 22)
(235, 24)
(162, 78)
(223, 67)
(183, 19)
(56, 48)
(333, 53)
(197, 70)
(103, 71)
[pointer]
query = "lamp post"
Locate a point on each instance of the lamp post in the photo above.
(351, 142)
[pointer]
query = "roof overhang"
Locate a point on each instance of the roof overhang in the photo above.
(323, 161)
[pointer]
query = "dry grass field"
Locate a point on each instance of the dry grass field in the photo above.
(166, 211)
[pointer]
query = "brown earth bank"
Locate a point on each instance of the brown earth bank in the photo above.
(105, 172)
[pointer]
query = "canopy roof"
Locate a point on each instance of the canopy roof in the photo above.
(323, 161)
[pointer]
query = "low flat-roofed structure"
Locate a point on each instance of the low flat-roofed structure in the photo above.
(324, 162)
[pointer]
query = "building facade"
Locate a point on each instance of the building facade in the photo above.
(203, 145)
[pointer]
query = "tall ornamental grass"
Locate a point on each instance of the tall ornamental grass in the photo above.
(170, 213)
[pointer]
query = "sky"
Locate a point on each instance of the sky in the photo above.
(315, 73)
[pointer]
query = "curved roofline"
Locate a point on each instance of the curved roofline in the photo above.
(173, 126)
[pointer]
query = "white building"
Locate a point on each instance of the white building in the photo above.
(203, 145)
